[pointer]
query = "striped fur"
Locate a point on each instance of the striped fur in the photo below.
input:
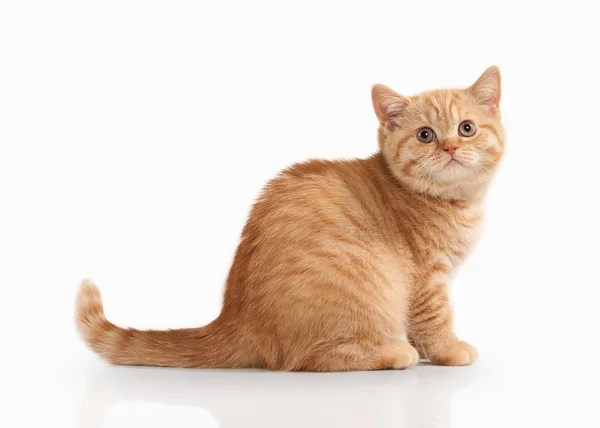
(340, 261)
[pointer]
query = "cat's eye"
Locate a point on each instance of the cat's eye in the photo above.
(425, 135)
(467, 129)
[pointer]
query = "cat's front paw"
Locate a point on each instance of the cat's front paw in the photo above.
(458, 354)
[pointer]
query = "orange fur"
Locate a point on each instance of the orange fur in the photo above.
(341, 260)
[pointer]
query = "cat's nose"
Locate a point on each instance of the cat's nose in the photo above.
(451, 149)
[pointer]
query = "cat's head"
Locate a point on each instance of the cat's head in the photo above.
(445, 142)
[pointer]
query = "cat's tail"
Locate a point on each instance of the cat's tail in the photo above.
(212, 346)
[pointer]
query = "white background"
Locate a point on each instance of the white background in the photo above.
(134, 135)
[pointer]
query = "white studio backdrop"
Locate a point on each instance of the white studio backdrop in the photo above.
(134, 136)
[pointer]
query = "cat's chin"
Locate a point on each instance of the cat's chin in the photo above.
(452, 170)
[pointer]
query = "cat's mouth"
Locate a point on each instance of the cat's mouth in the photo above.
(452, 163)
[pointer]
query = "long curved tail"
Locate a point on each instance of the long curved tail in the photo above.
(212, 346)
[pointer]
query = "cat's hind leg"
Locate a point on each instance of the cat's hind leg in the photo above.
(356, 357)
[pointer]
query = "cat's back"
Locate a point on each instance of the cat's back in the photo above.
(306, 211)
(315, 215)
(315, 177)
(344, 191)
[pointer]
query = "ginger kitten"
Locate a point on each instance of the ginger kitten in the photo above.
(340, 260)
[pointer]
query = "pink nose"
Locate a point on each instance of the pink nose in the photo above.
(451, 149)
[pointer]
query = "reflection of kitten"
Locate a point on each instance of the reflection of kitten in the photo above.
(341, 258)
(235, 398)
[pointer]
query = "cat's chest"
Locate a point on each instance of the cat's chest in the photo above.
(447, 236)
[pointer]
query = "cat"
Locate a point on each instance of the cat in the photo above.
(344, 265)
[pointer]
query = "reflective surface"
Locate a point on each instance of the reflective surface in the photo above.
(76, 389)
(423, 396)
(416, 397)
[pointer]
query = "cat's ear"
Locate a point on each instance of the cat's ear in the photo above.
(487, 89)
(389, 105)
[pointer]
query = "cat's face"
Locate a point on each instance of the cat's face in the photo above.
(442, 142)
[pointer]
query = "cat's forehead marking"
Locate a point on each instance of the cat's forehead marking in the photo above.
(441, 108)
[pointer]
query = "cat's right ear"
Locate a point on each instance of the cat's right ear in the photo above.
(389, 105)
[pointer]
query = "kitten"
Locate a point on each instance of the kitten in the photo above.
(340, 260)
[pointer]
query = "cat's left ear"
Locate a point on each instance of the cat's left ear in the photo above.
(487, 89)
